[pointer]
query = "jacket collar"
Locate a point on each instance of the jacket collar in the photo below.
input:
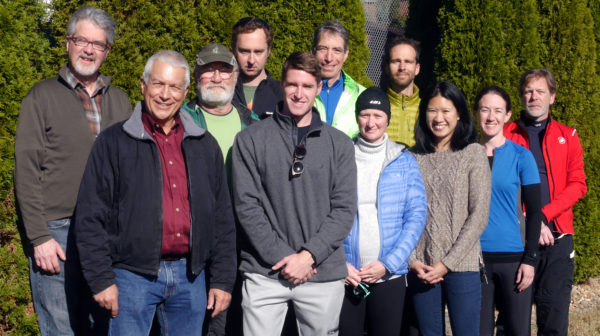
(239, 86)
(135, 127)
(287, 122)
(399, 96)
(523, 122)
(65, 73)
(392, 149)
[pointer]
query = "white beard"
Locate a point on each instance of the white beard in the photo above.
(215, 98)
(87, 70)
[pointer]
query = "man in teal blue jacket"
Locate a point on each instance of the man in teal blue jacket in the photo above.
(336, 101)
(216, 73)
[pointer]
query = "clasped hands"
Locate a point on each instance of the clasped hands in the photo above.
(297, 268)
(368, 274)
(430, 274)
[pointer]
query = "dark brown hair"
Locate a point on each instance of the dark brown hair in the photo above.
(302, 61)
(249, 25)
(398, 40)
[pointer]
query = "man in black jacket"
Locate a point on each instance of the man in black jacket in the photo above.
(251, 42)
(154, 211)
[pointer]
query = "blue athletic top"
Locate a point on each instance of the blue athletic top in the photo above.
(513, 166)
(330, 97)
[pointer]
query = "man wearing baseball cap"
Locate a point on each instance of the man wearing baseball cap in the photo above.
(216, 72)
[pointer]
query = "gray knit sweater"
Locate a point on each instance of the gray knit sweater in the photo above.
(458, 186)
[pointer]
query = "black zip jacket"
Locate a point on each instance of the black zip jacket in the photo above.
(118, 217)
(268, 94)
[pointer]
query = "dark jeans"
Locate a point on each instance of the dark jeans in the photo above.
(553, 284)
(515, 306)
(461, 291)
(382, 309)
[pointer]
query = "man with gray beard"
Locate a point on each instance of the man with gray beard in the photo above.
(216, 72)
(59, 121)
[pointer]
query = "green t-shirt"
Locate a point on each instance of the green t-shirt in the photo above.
(224, 128)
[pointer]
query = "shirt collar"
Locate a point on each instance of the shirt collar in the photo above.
(338, 83)
(74, 83)
(153, 127)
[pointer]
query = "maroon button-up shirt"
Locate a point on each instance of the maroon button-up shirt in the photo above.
(176, 205)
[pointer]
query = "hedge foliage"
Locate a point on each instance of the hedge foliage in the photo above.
(478, 43)
(33, 48)
(146, 27)
(24, 60)
(473, 43)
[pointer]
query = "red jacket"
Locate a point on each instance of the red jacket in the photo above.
(563, 156)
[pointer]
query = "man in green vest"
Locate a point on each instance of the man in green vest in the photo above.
(337, 99)
(401, 61)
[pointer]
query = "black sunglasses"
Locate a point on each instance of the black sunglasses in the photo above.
(297, 166)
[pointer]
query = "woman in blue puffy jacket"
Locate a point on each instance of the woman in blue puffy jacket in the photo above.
(392, 209)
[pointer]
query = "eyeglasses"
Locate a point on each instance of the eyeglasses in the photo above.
(210, 72)
(81, 42)
(361, 289)
(297, 166)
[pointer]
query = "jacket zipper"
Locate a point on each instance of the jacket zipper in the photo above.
(549, 171)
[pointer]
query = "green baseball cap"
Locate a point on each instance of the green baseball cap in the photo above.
(215, 52)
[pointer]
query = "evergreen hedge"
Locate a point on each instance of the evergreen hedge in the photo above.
(33, 48)
(146, 27)
(570, 52)
(476, 44)
(471, 43)
(24, 60)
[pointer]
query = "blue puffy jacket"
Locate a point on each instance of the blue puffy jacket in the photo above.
(401, 211)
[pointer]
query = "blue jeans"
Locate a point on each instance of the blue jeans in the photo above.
(178, 297)
(461, 291)
(53, 298)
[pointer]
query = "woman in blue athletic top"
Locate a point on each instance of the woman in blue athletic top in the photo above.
(509, 266)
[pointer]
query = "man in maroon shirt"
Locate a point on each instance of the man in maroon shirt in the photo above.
(154, 211)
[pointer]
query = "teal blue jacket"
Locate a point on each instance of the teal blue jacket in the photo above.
(247, 116)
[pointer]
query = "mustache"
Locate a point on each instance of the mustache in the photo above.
(214, 85)
(84, 55)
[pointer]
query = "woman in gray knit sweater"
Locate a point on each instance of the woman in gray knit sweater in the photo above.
(445, 264)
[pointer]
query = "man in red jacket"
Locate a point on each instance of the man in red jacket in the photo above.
(559, 158)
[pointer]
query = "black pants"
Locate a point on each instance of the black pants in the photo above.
(553, 284)
(382, 310)
(501, 291)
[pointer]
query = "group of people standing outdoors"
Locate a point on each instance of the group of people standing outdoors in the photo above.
(353, 207)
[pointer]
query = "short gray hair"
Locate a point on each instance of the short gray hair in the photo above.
(100, 19)
(333, 26)
(171, 57)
